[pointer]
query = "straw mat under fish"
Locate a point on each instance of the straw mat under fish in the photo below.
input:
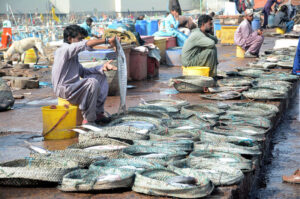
(153, 182)
(92, 180)
(31, 171)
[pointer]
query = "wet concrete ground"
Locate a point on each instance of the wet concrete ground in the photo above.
(25, 123)
(284, 158)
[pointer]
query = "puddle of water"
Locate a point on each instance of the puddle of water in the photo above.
(13, 146)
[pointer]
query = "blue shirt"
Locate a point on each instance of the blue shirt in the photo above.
(87, 28)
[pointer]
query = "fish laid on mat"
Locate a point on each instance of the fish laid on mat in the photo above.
(165, 102)
(36, 148)
(182, 180)
(105, 147)
(264, 94)
(224, 175)
(154, 182)
(106, 178)
(229, 88)
(122, 76)
(227, 95)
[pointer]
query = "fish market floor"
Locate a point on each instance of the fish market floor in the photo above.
(25, 123)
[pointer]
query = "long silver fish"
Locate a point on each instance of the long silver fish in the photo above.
(36, 148)
(122, 75)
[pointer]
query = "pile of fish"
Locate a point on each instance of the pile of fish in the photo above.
(167, 147)
(163, 154)
(257, 82)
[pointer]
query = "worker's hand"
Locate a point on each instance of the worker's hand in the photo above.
(108, 66)
(259, 32)
(172, 26)
(112, 41)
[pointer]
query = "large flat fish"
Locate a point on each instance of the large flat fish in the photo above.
(122, 75)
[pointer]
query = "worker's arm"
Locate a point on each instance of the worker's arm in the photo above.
(94, 42)
(75, 48)
(203, 42)
(212, 37)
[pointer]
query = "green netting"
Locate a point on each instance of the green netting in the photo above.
(227, 148)
(101, 179)
(220, 175)
(154, 182)
(31, 171)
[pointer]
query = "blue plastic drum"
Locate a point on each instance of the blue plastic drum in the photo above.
(152, 27)
(141, 27)
(256, 24)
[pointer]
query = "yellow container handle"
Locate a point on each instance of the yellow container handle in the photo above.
(59, 121)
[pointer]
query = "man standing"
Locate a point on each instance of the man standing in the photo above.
(200, 48)
(246, 38)
(267, 9)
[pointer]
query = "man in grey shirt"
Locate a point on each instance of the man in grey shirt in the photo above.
(86, 87)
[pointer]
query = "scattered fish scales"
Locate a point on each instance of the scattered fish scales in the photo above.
(220, 176)
(95, 180)
(227, 148)
(201, 158)
(184, 145)
(34, 171)
(165, 102)
(154, 182)
(134, 164)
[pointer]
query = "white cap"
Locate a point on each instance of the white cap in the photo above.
(249, 12)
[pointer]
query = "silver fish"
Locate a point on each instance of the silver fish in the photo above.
(122, 75)
(80, 131)
(182, 180)
(37, 149)
(90, 127)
